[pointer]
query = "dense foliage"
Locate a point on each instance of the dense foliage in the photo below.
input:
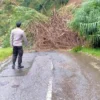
(87, 21)
(43, 5)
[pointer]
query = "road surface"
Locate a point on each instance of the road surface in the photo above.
(52, 76)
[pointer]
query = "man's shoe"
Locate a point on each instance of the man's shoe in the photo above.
(19, 67)
(13, 66)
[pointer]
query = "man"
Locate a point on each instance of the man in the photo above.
(16, 38)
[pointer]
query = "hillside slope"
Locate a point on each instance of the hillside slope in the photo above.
(44, 6)
(12, 15)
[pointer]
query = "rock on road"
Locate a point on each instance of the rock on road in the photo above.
(52, 76)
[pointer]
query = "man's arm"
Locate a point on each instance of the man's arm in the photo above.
(25, 39)
(11, 39)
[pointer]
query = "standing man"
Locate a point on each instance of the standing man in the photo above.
(16, 38)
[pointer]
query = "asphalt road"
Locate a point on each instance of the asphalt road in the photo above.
(52, 76)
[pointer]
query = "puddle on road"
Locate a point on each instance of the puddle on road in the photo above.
(9, 72)
(15, 86)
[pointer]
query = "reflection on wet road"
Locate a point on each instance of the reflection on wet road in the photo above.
(52, 76)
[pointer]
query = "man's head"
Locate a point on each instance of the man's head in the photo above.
(18, 24)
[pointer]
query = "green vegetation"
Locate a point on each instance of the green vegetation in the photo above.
(91, 51)
(4, 53)
(86, 21)
(94, 52)
(44, 6)
(77, 49)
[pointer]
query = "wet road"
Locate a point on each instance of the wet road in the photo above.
(52, 76)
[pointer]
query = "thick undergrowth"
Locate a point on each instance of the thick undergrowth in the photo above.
(86, 21)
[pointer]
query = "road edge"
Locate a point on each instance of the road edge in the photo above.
(5, 62)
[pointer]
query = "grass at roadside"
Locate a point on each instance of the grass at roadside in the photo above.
(92, 51)
(4, 53)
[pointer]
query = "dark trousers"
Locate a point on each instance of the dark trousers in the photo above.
(17, 52)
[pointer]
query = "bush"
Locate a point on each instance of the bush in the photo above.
(77, 49)
(6, 42)
(87, 21)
